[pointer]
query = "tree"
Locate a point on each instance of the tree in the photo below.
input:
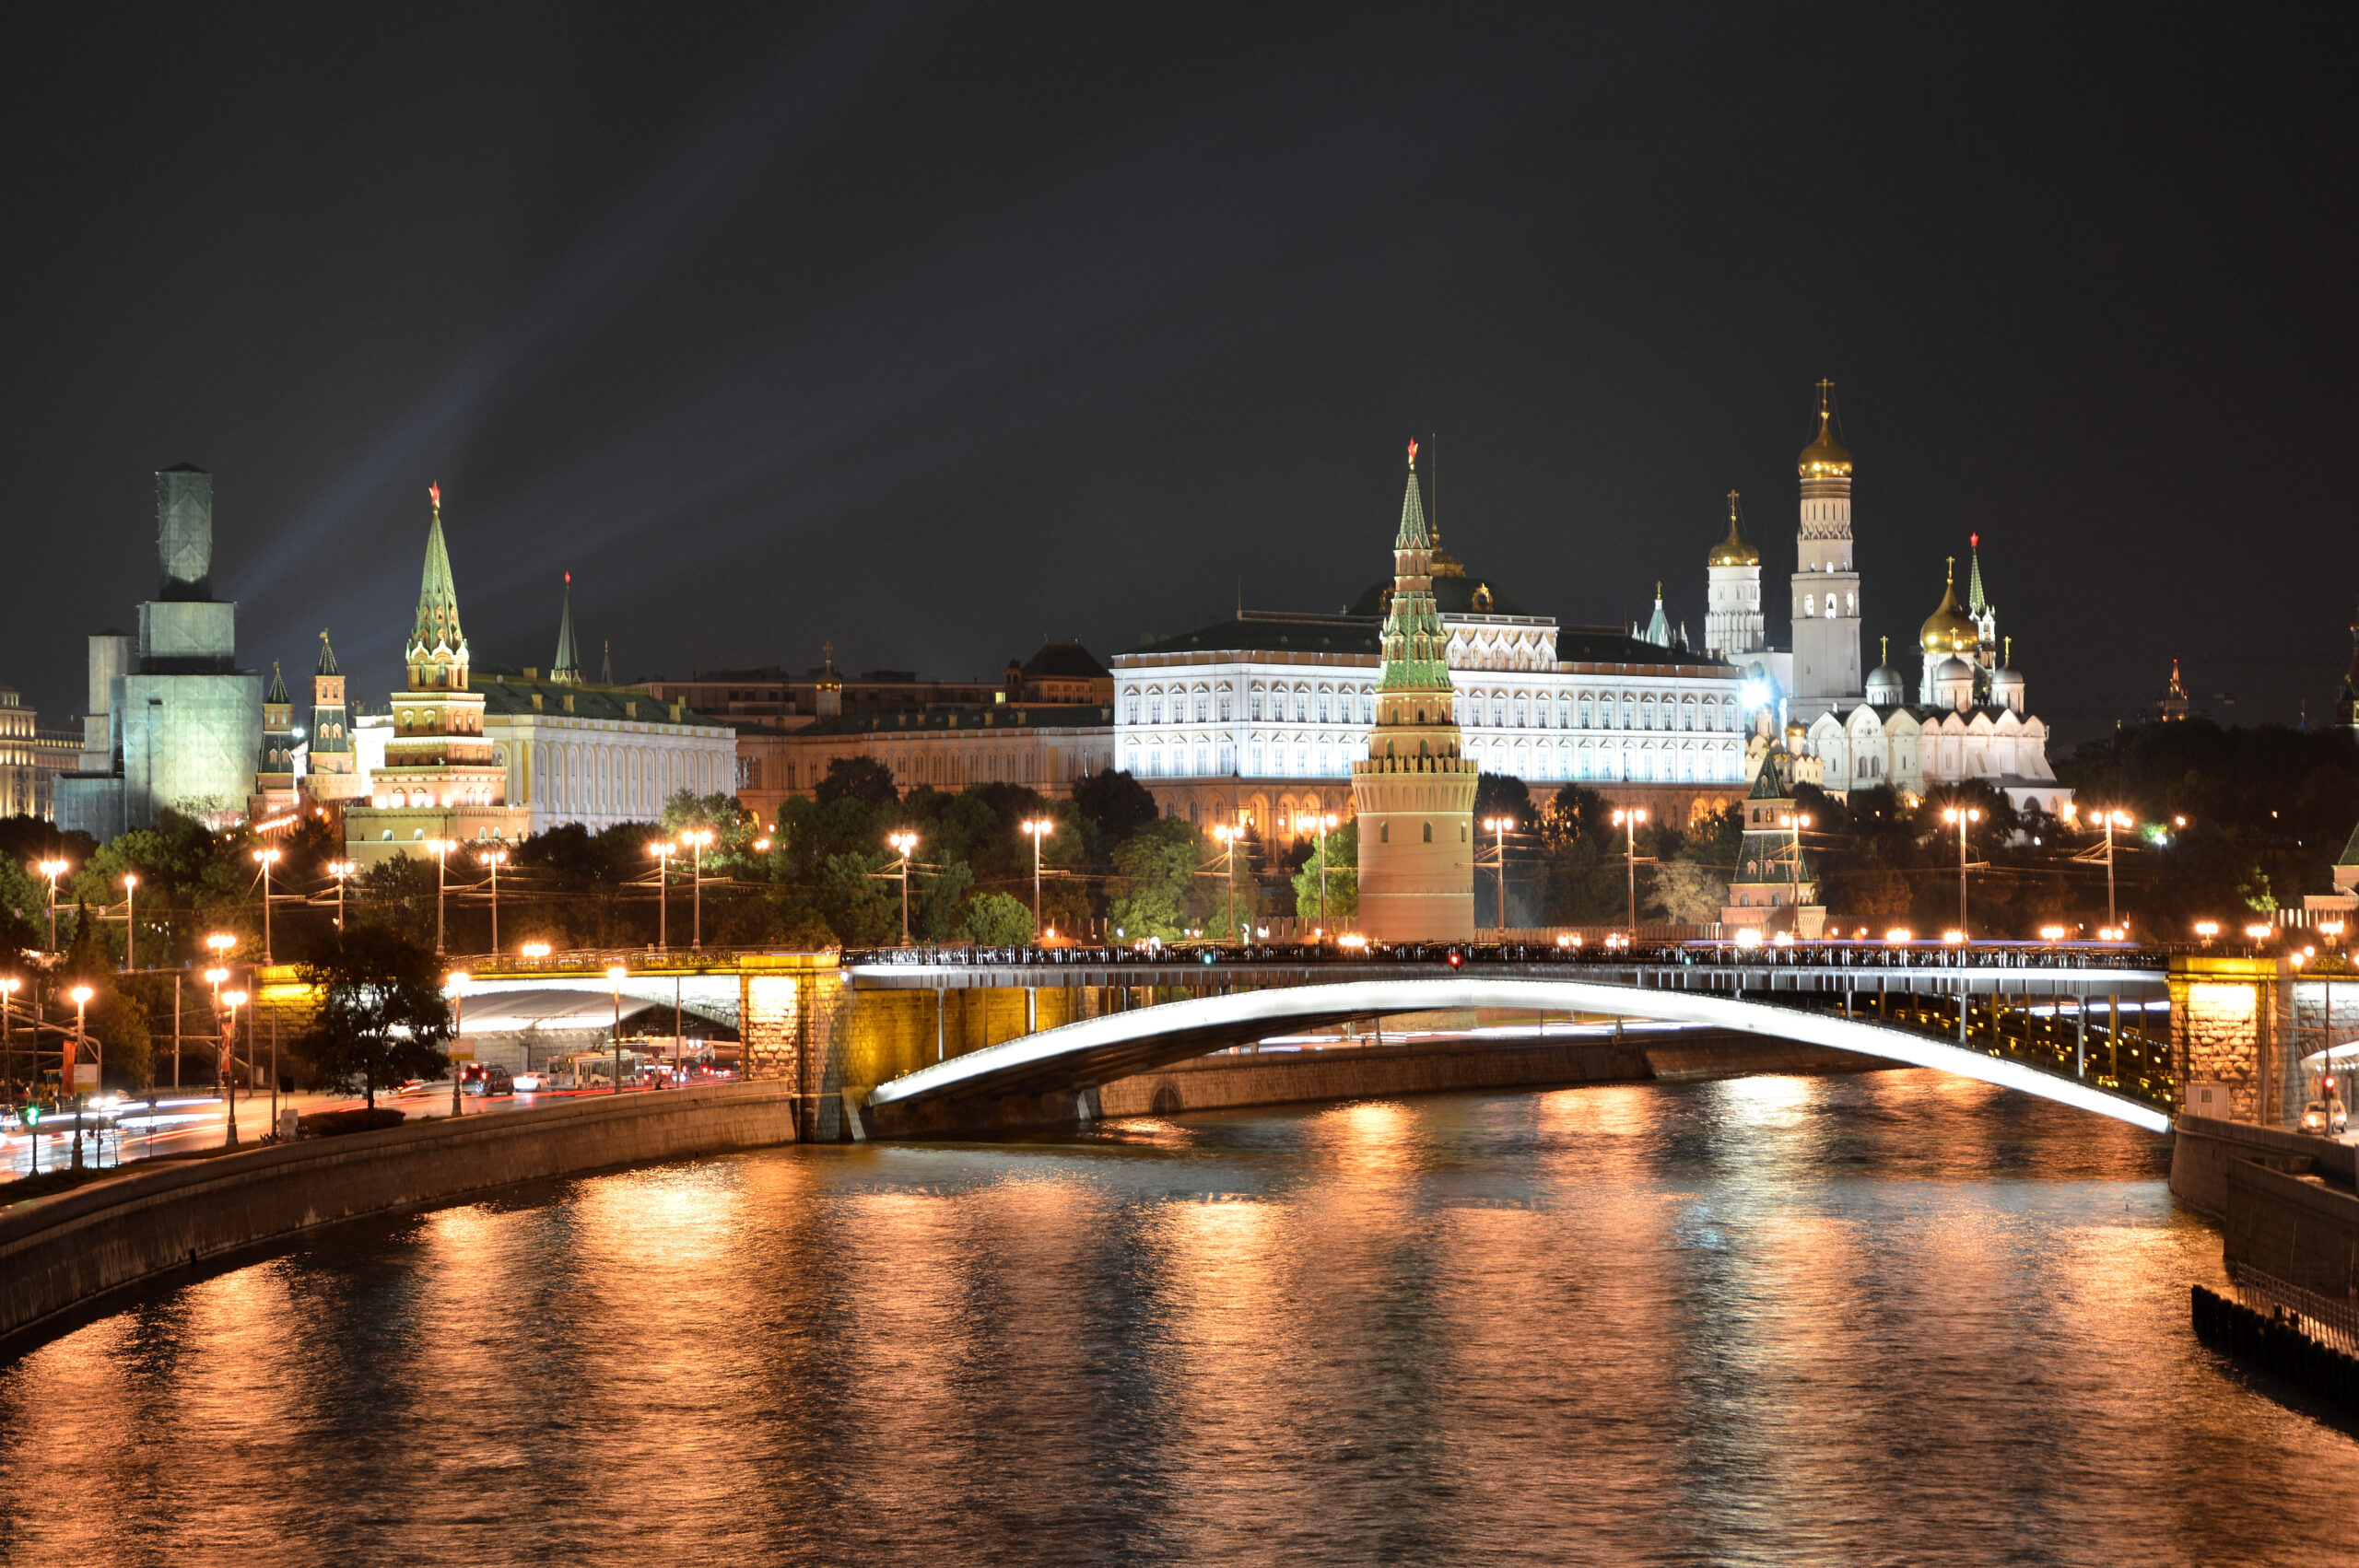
(997, 919)
(1687, 893)
(1341, 856)
(860, 908)
(1155, 880)
(1116, 804)
(857, 779)
(383, 1017)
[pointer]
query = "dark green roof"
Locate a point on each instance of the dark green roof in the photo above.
(504, 692)
(1009, 716)
(1258, 633)
(1452, 596)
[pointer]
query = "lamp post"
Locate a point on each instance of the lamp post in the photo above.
(81, 995)
(1794, 822)
(495, 859)
(1227, 837)
(2111, 819)
(233, 1001)
(1040, 828)
(130, 921)
(340, 870)
(1322, 823)
(8, 987)
(902, 844)
(1964, 817)
(615, 974)
(440, 848)
(266, 859)
(1628, 820)
(53, 868)
(663, 853)
(458, 986)
(1498, 825)
(696, 838)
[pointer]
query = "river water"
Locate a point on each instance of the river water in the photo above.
(1891, 1317)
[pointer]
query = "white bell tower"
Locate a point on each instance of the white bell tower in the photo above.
(1827, 677)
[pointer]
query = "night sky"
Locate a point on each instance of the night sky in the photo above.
(932, 331)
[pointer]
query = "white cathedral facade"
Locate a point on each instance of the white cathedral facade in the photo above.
(1261, 716)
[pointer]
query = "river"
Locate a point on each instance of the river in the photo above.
(1888, 1318)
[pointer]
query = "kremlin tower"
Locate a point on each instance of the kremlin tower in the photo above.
(1827, 585)
(1414, 791)
(1733, 625)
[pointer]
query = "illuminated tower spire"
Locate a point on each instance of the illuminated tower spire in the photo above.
(566, 668)
(1826, 585)
(331, 746)
(436, 654)
(1414, 791)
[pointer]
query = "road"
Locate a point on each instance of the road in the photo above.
(181, 1124)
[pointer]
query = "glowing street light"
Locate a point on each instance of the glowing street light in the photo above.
(495, 859)
(1497, 827)
(1794, 822)
(52, 870)
(1319, 824)
(440, 848)
(1040, 827)
(2258, 931)
(340, 870)
(1628, 821)
(2206, 930)
(130, 921)
(902, 844)
(233, 1000)
(1964, 816)
(2110, 819)
(663, 852)
(2052, 933)
(266, 859)
(535, 950)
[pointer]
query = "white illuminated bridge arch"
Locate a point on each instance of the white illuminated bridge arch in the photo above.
(1098, 1050)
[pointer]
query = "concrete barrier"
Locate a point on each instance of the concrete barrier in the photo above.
(2203, 1148)
(60, 1253)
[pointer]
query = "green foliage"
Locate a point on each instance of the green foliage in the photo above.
(859, 779)
(1153, 889)
(1114, 804)
(861, 909)
(1342, 859)
(1687, 893)
(383, 1016)
(996, 920)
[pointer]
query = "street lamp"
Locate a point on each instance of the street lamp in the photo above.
(458, 986)
(615, 974)
(1498, 825)
(81, 995)
(1040, 828)
(663, 853)
(2111, 820)
(535, 950)
(1795, 821)
(340, 870)
(53, 869)
(233, 1001)
(266, 859)
(1321, 825)
(902, 844)
(8, 989)
(696, 838)
(1628, 820)
(2207, 930)
(1963, 816)
(130, 921)
(440, 848)
(495, 859)
(1227, 837)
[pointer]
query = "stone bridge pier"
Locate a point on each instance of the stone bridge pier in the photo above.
(2241, 1029)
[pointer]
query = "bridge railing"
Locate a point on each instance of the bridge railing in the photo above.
(1869, 955)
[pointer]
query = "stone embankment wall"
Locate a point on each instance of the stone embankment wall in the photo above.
(58, 1254)
(2287, 1203)
(2203, 1148)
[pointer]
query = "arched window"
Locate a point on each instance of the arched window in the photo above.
(1384, 832)
(1429, 832)
(1253, 708)
(1809, 605)
(1131, 708)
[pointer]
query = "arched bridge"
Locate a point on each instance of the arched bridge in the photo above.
(2044, 1020)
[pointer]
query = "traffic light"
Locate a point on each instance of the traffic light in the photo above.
(32, 1116)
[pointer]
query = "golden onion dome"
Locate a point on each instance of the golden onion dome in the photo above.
(1733, 551)
(1947, 630)
(1825, 458)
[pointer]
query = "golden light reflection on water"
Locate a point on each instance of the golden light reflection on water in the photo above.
(1874, 1317)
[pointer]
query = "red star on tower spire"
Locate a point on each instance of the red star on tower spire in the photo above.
(434, 493)
(1413, 451)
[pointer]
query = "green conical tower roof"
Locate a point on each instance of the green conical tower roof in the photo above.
(1414, 534)
(277, 692)
(1415, 650)
(327, 659)
(567, 665)
(1659, 629)
(437, 597)
(1975, 603)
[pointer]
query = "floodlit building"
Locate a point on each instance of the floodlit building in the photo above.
(173, 724)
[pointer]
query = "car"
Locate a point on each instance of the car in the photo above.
(2327, 1117)
(486, 1079)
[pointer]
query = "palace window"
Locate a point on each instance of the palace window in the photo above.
(1131, 708)
(1224, 706)
(1325, 709)
(1254, 709)
(1155, 709)
(1429, 832)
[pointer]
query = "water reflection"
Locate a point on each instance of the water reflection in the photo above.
(1885, 1317)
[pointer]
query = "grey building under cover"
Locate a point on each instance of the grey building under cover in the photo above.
(173, 724)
